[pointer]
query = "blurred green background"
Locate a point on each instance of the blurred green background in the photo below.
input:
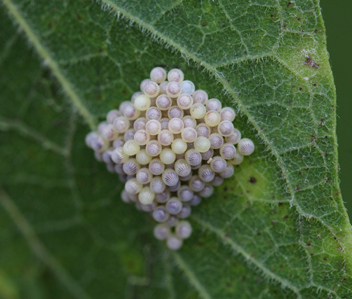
(338, 21)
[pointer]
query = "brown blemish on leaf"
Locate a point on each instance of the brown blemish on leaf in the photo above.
(310, 62)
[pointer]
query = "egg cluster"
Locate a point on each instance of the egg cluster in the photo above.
(170, 145)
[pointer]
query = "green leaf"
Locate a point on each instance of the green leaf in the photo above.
(277, 229)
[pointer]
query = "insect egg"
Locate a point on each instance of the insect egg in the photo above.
(175, 75)
(148, 208)
(193, 157)
(118, 155)
(218, 164)
(130, 112)
(144, 176)
(135, 95)
(118, 142)
(157, 185)
(228, 151)
(228, 172)
(131, 147)
(179, 146)
(156, 167)
(207, 191)
(131, 166)
(123, 105)
(133, 186)
(129, 134)
(218, 180)
(202, 144)
(205, 173)
(185, 193)
(173, 89)
(188, 87)
(212, 118)
(196, 184)
(172, 221)
(167, 156)
(112, 115)
(153, 113)
(189, 134)
(162, 196)
(162, 87)
(213, 104)
(227, 113)
(124, 196)
(184, 101)
(158, 75)
(143, 158)
(203, 130)
(216, 141)
(183, 229)
(176, 125)
(182, 168)
(153, 127)
(245, 146)
(225, 128)
(161, 231)
(237, 159)
(170, 177)
(208, 154)
(151, 89)
(173, 205)
(198, 110)
(119, 169)
(173, 242)
(108, 132)
(200, 96)
(163, 102)
(146, 196)
(185, 212)
(189, 121)
(121, 124)
(234, 138)
(160, 214)
(153, 148)
(175, 187)
(142, 102)
(195, 201)
(175, 112)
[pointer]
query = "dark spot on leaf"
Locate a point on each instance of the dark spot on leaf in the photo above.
(306, 169)
(314, 84)
(310, 62)
(204, 24)
(325, 258)
(339, 248)
(300, 88)
(298, 188)
(272, 222)
(289, 3)
(312, 254)
(316, 31)
(225, 189)
(281, 266)
(284, 25)
(313, 137)
(272, 15)
(300, 173)
(78, 16)
(286, 217)
(280, 204)
(259, 233)
(252, 180)
(308, 244)
(298, 18)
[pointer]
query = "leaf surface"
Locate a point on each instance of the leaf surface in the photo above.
(277, 229)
